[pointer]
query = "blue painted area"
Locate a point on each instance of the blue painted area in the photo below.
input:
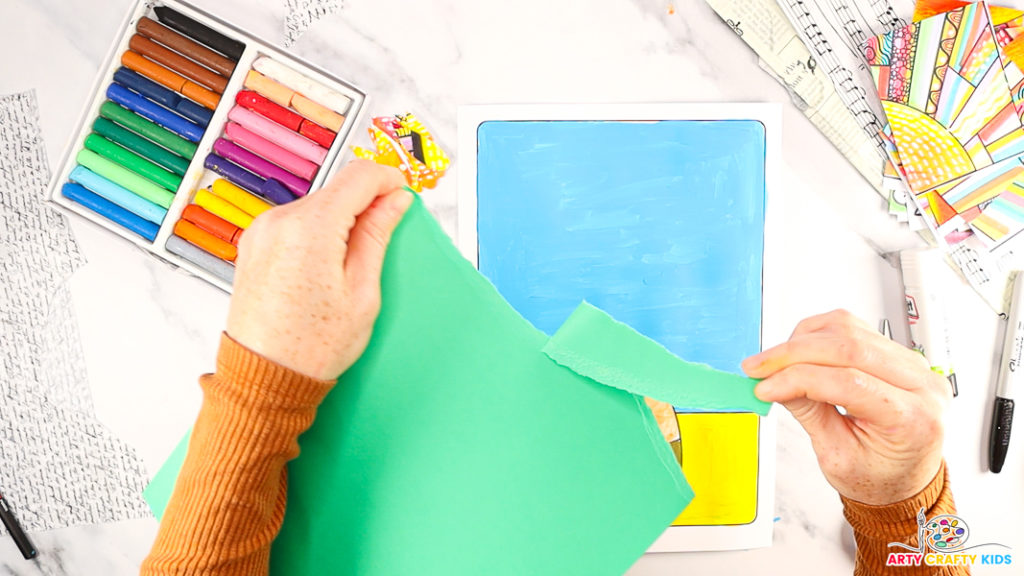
(661, 224)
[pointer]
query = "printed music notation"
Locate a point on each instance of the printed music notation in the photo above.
(802, 70)
(835, 30)
(989, 273)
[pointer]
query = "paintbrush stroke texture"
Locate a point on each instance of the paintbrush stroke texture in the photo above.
(661, 224)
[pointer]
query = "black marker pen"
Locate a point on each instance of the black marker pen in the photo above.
(19, 536)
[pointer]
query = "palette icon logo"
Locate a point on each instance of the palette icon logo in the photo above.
(942, 541)
(946, 533)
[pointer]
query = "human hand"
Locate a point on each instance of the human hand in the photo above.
(307, 283)
(888, 446)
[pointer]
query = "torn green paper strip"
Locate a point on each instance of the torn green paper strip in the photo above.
(593, 344)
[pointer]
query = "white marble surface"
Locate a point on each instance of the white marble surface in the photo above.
(149, 330)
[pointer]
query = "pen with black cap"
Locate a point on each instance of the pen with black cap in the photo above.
(19, 536)
(1009, 372)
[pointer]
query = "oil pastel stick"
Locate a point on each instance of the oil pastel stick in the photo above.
(260, 166)
(125, 178)
(176, 82)
(139, 83)
(200, 32)
(276, 192)
(201, 258)
(317, 133)
(211, 223)
(185, 46)
(110, 211)
(248, 203)
(194, 112)
(118, 195)
(279, 135)
(260, 104)
(318, 113)
(178, 63)
(132, 161)
(154, 112)
(302, 84)
(234, 173)
(221, 207)
(140, 145)
(278, 93)
(262, 147)
(203, 239)
(164, 96)
(285, 96)
(143, 127)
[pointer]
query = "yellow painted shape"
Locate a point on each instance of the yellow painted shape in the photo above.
(929, 153)
(720, 461)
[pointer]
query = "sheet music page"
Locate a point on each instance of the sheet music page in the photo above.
(834, 31)
(989, 273)
(766, 29)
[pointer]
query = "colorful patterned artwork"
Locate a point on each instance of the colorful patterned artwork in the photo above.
(954, 98)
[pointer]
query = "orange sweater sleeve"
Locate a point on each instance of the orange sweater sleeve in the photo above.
(228, 503)
(874, 527)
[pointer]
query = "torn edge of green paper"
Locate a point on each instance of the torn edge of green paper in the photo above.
(593, 344)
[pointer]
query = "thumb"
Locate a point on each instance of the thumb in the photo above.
(368, 241)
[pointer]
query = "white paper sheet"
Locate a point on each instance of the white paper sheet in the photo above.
(58, 465)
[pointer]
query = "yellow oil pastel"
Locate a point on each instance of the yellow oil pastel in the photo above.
(720, 463)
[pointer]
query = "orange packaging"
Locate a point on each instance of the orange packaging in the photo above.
(212, 223)
(205, 240)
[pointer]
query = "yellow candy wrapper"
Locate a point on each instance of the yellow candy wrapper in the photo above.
(403, 142)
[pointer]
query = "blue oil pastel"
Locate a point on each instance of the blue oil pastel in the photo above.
(661, 224)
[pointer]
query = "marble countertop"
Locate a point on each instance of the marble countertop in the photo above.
(149, 330)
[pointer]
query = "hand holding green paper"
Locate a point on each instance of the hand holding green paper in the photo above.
(459, 416)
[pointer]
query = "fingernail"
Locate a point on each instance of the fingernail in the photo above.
(402, 203)
(764, 390)
(752, 363)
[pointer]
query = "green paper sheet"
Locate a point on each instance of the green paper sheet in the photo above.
(593, 344)
(159, 490)
(455, 446)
